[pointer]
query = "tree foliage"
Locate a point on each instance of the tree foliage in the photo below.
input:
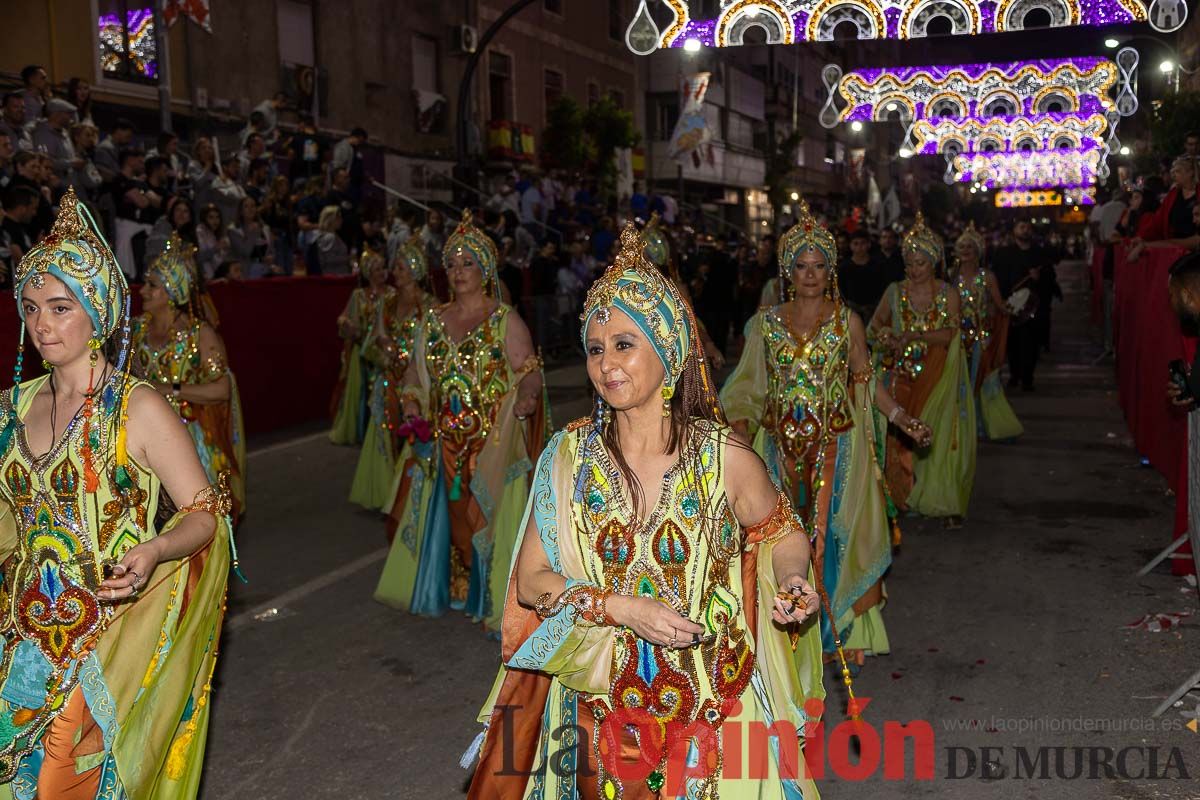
(577, 139)
(780, 167)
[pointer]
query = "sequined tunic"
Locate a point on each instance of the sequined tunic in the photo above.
(52, 616)
(973, 310)
(913, 320)
(177, 361)
(807, 395)
(685, 553)
(468, 379)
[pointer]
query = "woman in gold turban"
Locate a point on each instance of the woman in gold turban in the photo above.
(915, 331)
(180, 352)
(351, 394)
(459, 496)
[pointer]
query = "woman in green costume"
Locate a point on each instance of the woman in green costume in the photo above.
(458, 497)
(388, 348)
(984, 336)
(915, 333)
(662, 581)
(177, 349)
(805, 393)
(112, 622)
(351, 394)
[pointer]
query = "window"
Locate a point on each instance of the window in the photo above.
(665, 118)
(616, 20)
(500, 86)
(618, 97)
(553, 6)
(593, 95)
(553, 88)
(126, 36)
(295, 33)
(425, 64)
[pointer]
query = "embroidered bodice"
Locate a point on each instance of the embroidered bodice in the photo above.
(906, 318)
(177, 361)
(808, 378)
(973, 310)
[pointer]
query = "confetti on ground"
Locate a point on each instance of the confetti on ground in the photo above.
(956, 698)
(1157, 623)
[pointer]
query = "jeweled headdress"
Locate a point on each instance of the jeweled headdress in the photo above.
(806, 234)
(412, 253)
(920, 240)
(651, 300)
(471, 240)
(175, 266)
(75, 252)
(974, 238)
(656, 248)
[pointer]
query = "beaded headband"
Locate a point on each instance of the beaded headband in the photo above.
(920, 240)
(175, 266)
(412, 253)
(656, 248)
(471, 240)
(972, 237)
(806, 234)
(651, 300)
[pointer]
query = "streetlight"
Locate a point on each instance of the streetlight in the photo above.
(1166, 67)
(856, 126)
(905, 152)
(1111, 43)
(795, 196)
(691, 46)
(1125, 150)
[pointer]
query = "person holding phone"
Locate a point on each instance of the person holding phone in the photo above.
(660, 574)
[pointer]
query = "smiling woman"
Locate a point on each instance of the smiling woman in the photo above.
(660, 578)
(104, 607)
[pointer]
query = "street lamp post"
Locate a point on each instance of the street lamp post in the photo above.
(464, 88)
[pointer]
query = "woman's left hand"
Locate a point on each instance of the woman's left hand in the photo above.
(802, 603)
(525, 406)
(131, 575)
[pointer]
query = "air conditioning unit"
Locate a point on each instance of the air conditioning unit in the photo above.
(466, 39)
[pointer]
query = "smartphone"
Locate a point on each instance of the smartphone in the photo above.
(1179, 377)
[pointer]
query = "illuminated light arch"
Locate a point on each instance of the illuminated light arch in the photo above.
(990, 144)
(1047, 97)
(946, 104)
(1000, 103)
(1066, 140)
(680, 9)
(1026, 141)
(964, 18)
(866, 16)
(906, 108)
(770, 15)
(1084, 131)
(1010, 16)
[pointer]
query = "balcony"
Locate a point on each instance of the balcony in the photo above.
(510, 141)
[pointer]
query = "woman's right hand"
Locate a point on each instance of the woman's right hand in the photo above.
(654, 621)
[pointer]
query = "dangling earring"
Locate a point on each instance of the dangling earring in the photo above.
(791, 291)
(46, 365)
(667, 393)
(601, 416)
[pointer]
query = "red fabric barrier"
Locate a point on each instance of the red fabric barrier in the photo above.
(282, 339)
(1148, 338)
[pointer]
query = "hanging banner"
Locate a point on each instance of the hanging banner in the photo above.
(195, 10)
(692, 136)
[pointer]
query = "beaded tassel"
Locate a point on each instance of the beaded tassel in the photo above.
(456, 487)
(91, 480)
(10, 424)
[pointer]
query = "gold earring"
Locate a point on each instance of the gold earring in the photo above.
(46, 365)
(667, 393)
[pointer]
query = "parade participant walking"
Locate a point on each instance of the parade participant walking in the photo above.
(660, 578)
(805, 393)
(113, 623)
(915, 335)
(984, 335)
(458, 498)
(177, 349)
(352, 391)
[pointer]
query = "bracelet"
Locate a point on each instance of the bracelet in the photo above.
(782, 521)
(897, 411)
(589, 602)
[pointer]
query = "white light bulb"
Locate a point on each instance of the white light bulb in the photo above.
(795, 195)
(1166, 66)
(1111, 44)
(691, 46)
(856, 126)
(1125, 150)
(905, 152)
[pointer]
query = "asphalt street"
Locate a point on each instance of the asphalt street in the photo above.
(1008, 634)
